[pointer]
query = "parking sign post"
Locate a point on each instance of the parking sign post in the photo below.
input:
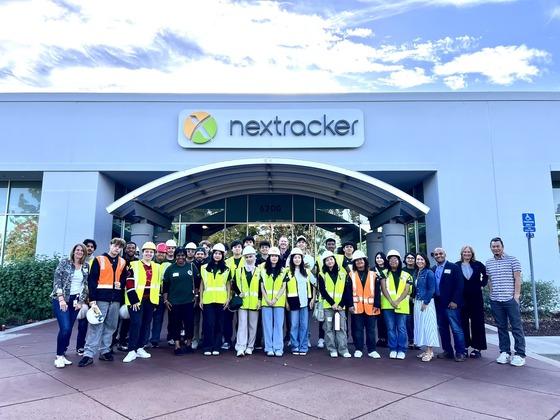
(529, 228)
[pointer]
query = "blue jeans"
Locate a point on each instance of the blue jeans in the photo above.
(359, 321)
(157, 321)
(66, 322)
(273, 322)
(504, 311)
(396, 330)
(446, 319)
(140, 322)
(100, 336)
(299, 319)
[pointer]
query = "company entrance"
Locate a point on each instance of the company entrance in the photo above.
(268, 198)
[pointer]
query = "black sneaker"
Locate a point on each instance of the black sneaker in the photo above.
(155, 345)
(178, 352)
(106, 357)
(85, 361)
(446, 355)
(80, 352)
(122, 347)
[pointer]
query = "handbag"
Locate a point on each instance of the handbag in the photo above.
(235, 303)
(319, 311)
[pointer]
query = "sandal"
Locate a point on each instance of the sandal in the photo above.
(475, 354)
(422, 354)
(427, 357)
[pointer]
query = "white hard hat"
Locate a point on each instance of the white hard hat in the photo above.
(94, 315)
(219, 247)
(393, 253)
(326, 255)
(357, 255)
(274, 251)
(123, 312)
(171, 242)
(190, 245)
(296, 251)
(248, 250)
(83, 311)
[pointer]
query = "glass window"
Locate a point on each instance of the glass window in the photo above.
(2, 230)
(3, 196)
(25, 198)
(236, 209)
(304, 209)
(270, 208)
(21, 237)
(213, 211)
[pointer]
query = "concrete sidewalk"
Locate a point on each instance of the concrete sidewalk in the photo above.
(257, 387)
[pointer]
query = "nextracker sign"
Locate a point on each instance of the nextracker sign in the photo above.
(271, 128)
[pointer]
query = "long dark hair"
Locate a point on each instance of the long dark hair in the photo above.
(301, 266)
(273, 271)
(220, 265)
(423, 255)
(334, 269)
(385, 260)
(366, 266)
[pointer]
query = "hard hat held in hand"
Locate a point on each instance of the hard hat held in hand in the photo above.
(94, 315)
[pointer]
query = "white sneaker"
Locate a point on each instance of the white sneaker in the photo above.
(517, 361)
(374, 355)
(393, 355)
(171, 342)
(504, 358)
(143, 354)
(401, 355)
(358, 353)
(225, 346)
(321, 343)
(346, 355)
(249, 351)
(241, 353)
(208, 353)
(59, 362)
(308, 344)
(194, 344)
(278, 353)
(334, 354)
(215, 353)
(66, 361)
(270, 353)
(130, 357)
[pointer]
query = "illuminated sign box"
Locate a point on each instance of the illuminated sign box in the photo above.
(271, 128)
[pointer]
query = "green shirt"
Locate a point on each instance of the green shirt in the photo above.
(178, 282)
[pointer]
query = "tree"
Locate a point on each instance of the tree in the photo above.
(22, 238)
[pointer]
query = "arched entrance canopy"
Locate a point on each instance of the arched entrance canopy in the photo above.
(161, 200)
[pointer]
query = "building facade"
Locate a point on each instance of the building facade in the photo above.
(411, 171)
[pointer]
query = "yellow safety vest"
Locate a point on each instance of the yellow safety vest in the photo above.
(215, 289)
(404, 306)
(250, 292)
(335, 290)
(140, 280)
(292, 289)
(272, 287)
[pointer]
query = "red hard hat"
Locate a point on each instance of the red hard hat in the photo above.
(161, 248)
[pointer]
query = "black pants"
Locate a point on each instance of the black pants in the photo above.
(183, 315)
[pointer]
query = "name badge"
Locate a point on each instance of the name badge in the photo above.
(447, 271)
(175, 274)
(189, 273)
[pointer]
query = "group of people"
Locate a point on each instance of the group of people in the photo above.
(267, 298)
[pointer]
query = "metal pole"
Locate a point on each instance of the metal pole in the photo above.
(534, 287)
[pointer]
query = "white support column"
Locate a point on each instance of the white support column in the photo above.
(394, 237)
(141, 232)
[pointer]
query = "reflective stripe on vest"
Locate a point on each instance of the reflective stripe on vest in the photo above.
(108, 277)
(215, 290)
(250, 292)
(335, 290)
(364, 297)
(272, 287)
(404, 306)
(140, 280)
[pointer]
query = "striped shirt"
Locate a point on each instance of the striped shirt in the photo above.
(501, 272)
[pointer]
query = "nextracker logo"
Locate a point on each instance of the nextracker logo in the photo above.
(271, 128)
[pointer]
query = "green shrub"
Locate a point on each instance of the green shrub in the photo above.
(25, 287)
(547, 297)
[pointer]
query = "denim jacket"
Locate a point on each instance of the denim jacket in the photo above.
(425, 285)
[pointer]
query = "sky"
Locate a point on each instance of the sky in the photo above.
(298, 46)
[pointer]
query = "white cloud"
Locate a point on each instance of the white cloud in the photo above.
(455, 82)
(406, 78)
(360, 32)
(502, 65)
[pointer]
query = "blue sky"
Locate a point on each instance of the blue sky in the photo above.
(316, 46)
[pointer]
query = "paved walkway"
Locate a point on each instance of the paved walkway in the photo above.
(257, 387)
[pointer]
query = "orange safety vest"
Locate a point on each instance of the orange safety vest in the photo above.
(364, 297)
(108, 278)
